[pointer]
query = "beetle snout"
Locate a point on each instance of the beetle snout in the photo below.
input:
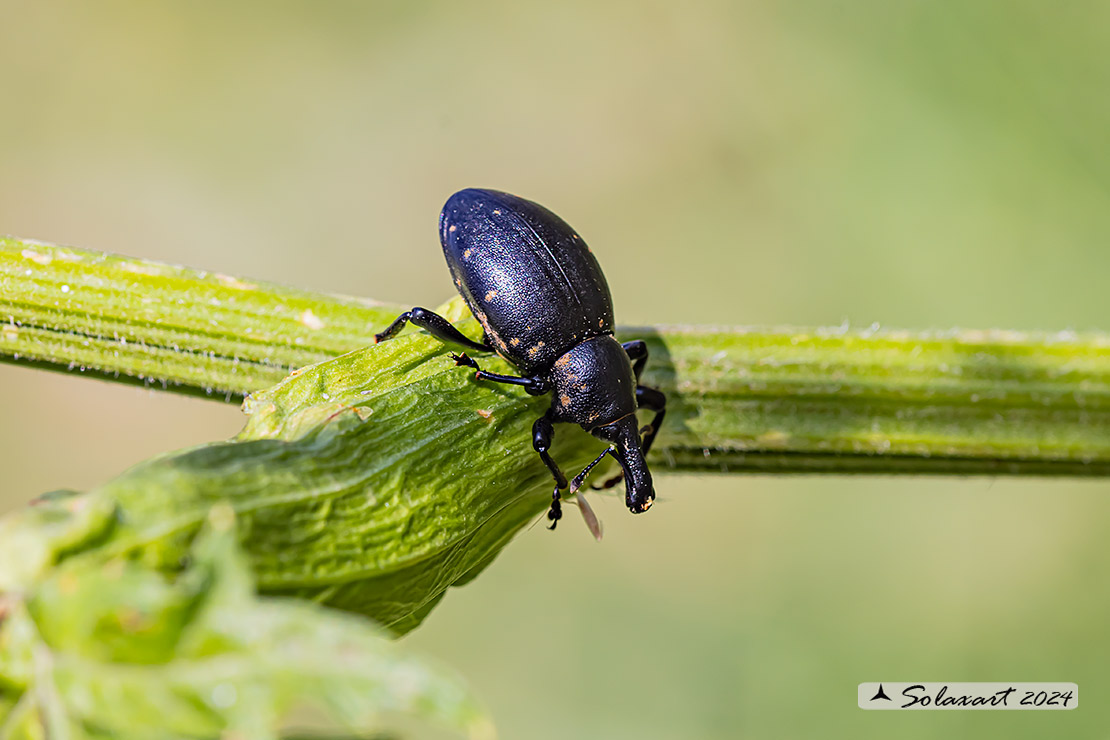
(625, 437)
(639, 491)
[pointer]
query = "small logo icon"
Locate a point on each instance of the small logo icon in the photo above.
(880, 694)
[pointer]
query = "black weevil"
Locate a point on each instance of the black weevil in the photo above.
(541, 297)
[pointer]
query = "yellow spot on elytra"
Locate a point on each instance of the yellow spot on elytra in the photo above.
(532, 351)
(514, 341)
(564, 399)
(496, 211)
(466, 254)
(562, 360)
(600, 323)
(311, 320)
(647, 504)
(491, 295)
(482, 319)
(452, 228)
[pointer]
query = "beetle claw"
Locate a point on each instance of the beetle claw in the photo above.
(463, 359)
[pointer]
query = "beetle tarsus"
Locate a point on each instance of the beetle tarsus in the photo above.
(555, 513)
(390, 331)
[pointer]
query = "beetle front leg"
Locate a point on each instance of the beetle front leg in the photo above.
(649, 398)
(543, 432)
(534, 386)
(646, 398)
(434, 324)
(637, 351)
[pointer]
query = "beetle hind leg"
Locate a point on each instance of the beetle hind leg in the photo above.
(434, 324)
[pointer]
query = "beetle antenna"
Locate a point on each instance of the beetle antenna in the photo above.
(581, 477)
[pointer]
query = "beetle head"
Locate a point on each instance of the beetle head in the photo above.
(624, 435)
(594, 386)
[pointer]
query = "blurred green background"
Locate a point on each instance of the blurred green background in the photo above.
(917, 164)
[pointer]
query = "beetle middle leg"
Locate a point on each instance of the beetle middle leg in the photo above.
(434, 324)
(543, 432)
(534, 386)
(646, 398)
(649, 398)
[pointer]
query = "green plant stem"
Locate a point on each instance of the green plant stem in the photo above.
(784, 401)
